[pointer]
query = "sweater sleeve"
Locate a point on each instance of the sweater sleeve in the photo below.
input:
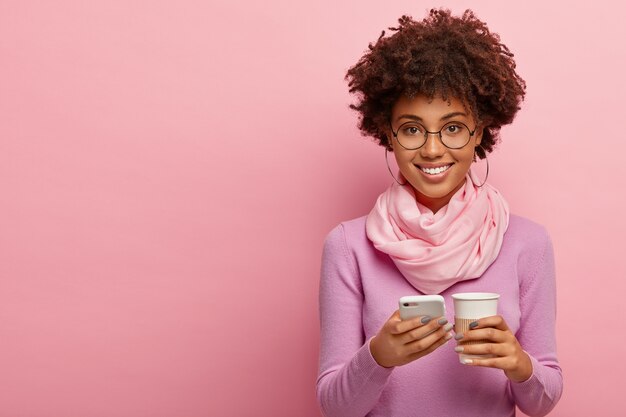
(539, 394)
(349, 382)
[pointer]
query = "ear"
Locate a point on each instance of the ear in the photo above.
(389, 136)
(478, 135)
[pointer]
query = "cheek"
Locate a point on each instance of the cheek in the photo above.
(402, 158)
(465, 157)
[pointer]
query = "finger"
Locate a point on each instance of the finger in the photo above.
(497, 349)
(393, 321)
(404, 326)
(427, 341)
(497, 322)
(440, 342)
(426, 329)
(498, 363)
(490, 334)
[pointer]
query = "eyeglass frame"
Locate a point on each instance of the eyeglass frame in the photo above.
(427, 132)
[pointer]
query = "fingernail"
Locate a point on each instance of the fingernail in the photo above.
(448, 336)
(448, 327)
(473, 324)
(467, 361)
(426, 319)
(442, 321)
(458, 336)
(458, 349)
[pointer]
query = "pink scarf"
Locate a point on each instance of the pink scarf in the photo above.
(435, 251)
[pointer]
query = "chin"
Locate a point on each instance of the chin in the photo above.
(437, 191)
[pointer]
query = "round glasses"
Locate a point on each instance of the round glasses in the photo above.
(453, 135)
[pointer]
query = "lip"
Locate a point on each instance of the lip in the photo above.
(439, 165)
(436, 178)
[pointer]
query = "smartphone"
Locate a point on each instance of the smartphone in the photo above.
(421, 305)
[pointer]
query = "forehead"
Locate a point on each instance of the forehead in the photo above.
(427, 109)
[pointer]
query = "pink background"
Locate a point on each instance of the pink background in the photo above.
(168, 172)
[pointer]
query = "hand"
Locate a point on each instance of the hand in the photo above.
(500, 342)
(402, 341)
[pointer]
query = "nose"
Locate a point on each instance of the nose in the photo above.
(433, 147)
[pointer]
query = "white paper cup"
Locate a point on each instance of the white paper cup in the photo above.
(469, 307)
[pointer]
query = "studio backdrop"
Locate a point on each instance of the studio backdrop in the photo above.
(169, 170)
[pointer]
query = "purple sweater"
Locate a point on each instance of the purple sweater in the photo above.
(359, 290)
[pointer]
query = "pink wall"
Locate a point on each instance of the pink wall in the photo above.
(168, 171)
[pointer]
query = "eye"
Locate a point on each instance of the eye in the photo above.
(453, 129)
(412, 130)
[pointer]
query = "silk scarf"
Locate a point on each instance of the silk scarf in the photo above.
(435, 251)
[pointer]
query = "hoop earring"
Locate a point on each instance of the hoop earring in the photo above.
(486, 176)
(393, 176)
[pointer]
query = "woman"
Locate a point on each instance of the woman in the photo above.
(435, 93)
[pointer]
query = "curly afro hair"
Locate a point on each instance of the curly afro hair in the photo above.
(442, 56)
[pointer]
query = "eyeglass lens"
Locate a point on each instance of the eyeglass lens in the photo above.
(412, 135)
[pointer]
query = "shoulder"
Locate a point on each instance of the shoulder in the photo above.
(531, 243)
(348, 238)
(343, 245)
(349, 231)
(525, 232)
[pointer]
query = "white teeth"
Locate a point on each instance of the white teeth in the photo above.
(435, 171)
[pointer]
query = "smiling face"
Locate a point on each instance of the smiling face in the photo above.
(434, 171)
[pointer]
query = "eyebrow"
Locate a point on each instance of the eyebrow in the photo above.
(444, 117)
